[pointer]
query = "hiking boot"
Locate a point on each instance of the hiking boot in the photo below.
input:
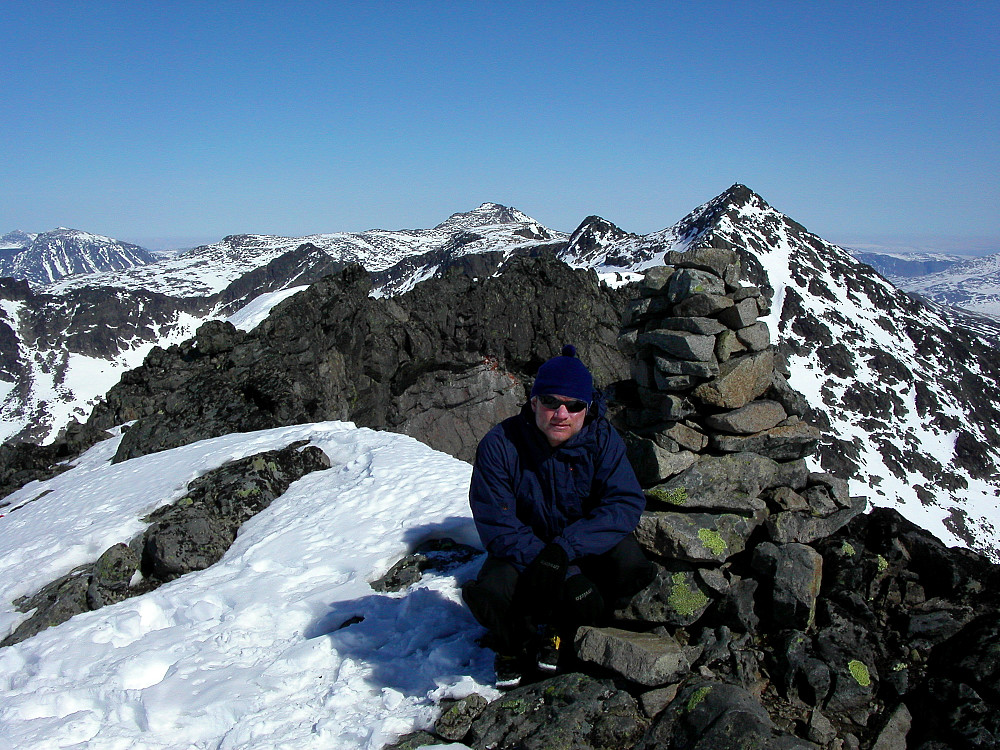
(508, 671)
(547, 659)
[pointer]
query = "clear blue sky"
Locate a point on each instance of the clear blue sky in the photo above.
(172, 121)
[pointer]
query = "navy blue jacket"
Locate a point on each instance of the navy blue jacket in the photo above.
(582, 495)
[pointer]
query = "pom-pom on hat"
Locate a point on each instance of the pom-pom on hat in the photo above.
(564, 375)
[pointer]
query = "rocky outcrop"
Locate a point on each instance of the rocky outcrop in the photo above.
(781, 616)
(877, 636)
(191, 534)
(21, 463)
(443, 363)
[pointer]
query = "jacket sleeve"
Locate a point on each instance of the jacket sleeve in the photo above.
(494, 506)
(620, 502)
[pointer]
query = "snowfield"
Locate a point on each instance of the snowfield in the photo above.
(250, 653)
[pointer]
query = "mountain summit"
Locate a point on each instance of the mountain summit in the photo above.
(905, 391)
(487, 214)
(64, 252)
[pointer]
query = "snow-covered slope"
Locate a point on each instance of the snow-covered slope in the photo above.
(258, 650)
(64, 252)
(907, 394)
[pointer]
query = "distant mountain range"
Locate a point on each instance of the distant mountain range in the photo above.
(969, 282)
(896, 266)
(905, 391)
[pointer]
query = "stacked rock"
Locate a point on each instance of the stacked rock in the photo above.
(718, 442)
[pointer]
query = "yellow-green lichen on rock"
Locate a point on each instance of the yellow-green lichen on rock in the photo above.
(859, 672)
(515, 705)
(684, 599)
(698, 696)
(848, 549)
(712, 540)
(675, 496)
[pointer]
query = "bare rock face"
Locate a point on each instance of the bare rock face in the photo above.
(648, 659)
(443, 362)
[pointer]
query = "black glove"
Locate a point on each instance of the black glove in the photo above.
(582, 602)
(543, 579)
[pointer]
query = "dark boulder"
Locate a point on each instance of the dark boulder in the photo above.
(568, 711)
(718, 716)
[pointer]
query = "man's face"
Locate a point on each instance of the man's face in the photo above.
(559, 424)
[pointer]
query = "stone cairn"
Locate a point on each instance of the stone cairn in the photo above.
(717, 438)
(718, 442)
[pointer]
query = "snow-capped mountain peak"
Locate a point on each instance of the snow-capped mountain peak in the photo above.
(488, 214)
(16, 240)
(65, 252)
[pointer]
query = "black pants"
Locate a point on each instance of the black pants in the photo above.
(604, 582)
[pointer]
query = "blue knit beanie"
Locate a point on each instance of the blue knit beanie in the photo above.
(565, 375)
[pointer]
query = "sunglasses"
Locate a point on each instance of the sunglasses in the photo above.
(572, 405)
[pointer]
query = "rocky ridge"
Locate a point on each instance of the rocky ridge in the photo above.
(63, 344)
(442, 363)
(781, 617)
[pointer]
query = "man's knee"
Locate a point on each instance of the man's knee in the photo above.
(622, 571)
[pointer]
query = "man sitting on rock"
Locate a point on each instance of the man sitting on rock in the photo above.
(555, 502)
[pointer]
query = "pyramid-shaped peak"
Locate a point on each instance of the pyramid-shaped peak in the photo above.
(598, 227)
(739, 195)
(487, 214)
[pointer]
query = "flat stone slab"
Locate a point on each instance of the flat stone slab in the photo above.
(740, 381)
(803, 527)
(704, 326)
(702, 305)
(714, 259)
(696, 537)
(783, 443)
(723, 483)
(680, 344)
(643, 658)
(670, 366)
(687, 282)
(756, 416)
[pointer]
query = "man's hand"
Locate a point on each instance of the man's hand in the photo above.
(542, 580)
